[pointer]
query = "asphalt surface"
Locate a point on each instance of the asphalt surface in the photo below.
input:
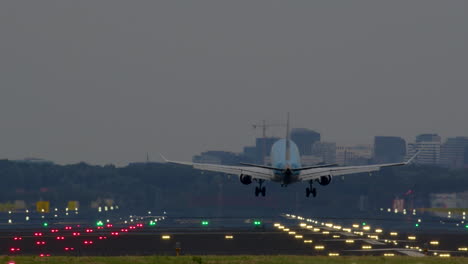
(271, 237)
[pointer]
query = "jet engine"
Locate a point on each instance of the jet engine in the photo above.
(325, 180)
(246, 179)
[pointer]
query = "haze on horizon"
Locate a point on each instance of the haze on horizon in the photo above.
(108, 81)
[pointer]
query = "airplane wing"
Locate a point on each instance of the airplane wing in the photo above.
(255, 172)
(316, 173)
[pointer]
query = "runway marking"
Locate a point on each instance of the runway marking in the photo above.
(373, 242)
(347, 234)
(411, 253)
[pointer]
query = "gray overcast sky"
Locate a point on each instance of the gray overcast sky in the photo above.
(108, 81)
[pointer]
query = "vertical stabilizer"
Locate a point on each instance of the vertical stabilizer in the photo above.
(288, 145)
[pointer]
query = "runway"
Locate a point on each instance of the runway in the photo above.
(283, 235)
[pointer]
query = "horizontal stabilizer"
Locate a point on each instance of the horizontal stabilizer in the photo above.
(315, 167)
(259, 166)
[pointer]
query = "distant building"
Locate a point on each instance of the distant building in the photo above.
(250, 154)
(454, 152)
(449, 200)
(218, 157)
(389, 149)
(35, 161)
(326, 151)
(428, 146)
(307, 160)
(427, 138)
(263, 148)
(354, 155)
(304, 139)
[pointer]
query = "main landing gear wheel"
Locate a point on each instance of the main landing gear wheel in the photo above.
(311, 190)
(260, 190)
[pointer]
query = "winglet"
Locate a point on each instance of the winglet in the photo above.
(412, 158)
(288, 144)
(164, 158)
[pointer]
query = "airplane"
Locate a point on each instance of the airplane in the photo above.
(286, 168)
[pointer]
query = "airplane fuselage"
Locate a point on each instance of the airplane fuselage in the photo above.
(279, 160)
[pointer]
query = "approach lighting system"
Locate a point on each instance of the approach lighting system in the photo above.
(205, 223)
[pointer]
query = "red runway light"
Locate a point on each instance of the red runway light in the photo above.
(40, 242)
(102, 237)
(109, 225)
(14, 249)
(69, 249)
(89, 230)
(76, 234)
(44, 255)
(17, 238)
(86, 242)
(54, 230)
(68, 228)
(37, 234)
(60, 238)
(115, 233)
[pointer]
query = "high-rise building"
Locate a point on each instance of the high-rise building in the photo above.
(389, 149)
(428, 146)
(326, 151)
(454, 152)
(304, 139)
(427, 138)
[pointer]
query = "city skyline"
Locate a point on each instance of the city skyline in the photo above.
(109, 81)
(155, 156)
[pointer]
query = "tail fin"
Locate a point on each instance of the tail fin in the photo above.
(288, 145)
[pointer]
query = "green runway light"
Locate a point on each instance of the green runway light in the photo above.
(364, 223)
(257, 223)
(205, 223)
(99, 223)
(152, 223)
(416, 225)
(466, 226)
(45, 224)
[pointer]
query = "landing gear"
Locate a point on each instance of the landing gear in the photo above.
(311, 190)
(260, 189)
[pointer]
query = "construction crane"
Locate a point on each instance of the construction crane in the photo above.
(264, 125)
